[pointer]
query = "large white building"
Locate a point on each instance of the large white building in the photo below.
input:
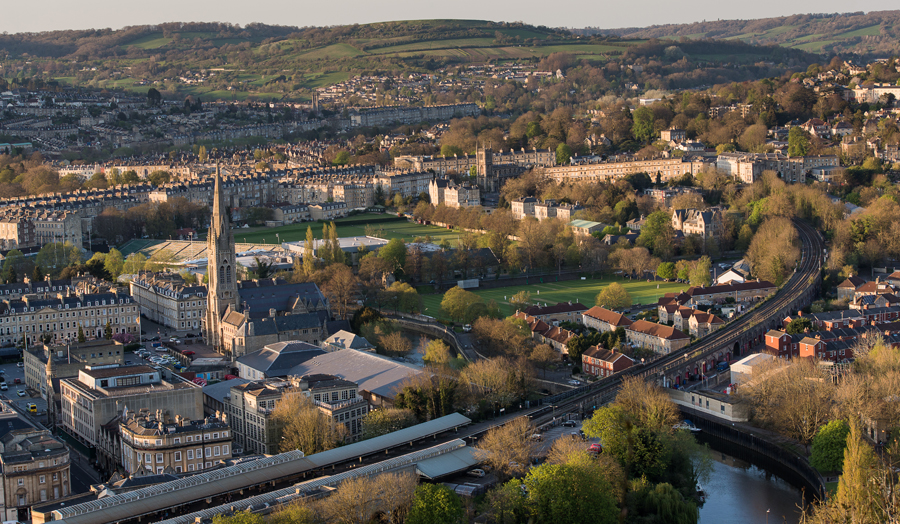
(101, 393)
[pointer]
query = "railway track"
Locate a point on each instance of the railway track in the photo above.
(602, 391)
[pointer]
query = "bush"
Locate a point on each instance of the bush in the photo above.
(828, 445)
(576, 370)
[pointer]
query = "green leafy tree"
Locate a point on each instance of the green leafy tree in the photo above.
(662, 504)
(201, 154)
(520, 300)
(114, 263)
(159, 177)
(435, 504)
(642, 128)
(798, 142)
(666, 270)
(37, 275)
(309, 252)
(9, 275)
(563, 154)
(437, 352)
(461, 305)
(656, 234)
(53, 257)
(856, 492)
(394, 253)
(384, 421)
(614, 296)
(134, 263)
(798, 325)
(107, 331)
(700, 274)
(568, 494)
(828, 446)
(80, 334)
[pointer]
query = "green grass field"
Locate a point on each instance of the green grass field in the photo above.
(400, 228)
(551, 292)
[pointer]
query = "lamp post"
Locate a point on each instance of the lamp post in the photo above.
(767, 515)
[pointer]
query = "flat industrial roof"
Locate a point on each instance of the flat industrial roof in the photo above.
(441, 465)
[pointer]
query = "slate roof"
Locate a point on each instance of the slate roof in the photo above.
(220, 390)
(270, 293)
(276, 360)
(347, 340)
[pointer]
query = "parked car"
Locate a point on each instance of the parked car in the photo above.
(3, 386)
(596, 448)
(32, 408)
(20, 365)
(17, 381)
(476, 473)
(569, 424)
(20, 392)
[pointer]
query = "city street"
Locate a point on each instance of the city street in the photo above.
(83, 475)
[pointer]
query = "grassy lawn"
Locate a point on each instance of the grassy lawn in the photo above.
(831, 488)
(552, 292)
(396, 229)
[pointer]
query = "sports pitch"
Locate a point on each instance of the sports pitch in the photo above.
(551, 292)
(400, 228)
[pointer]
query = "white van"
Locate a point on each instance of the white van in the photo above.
(3, 386)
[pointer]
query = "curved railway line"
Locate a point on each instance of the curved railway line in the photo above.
(766, 315)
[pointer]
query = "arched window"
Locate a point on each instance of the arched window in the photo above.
(228, 275)
(221, 273)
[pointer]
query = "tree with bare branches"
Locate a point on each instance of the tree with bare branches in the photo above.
(509, 448)
(303, 426)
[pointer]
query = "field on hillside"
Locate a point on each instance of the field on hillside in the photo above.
(545, 290)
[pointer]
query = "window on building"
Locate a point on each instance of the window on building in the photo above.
(159, 458)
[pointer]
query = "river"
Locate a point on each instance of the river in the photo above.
(740, 493)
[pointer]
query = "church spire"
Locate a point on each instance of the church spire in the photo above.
(221, 268)
(220, 221)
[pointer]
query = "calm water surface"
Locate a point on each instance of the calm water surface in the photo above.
(740, 493)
